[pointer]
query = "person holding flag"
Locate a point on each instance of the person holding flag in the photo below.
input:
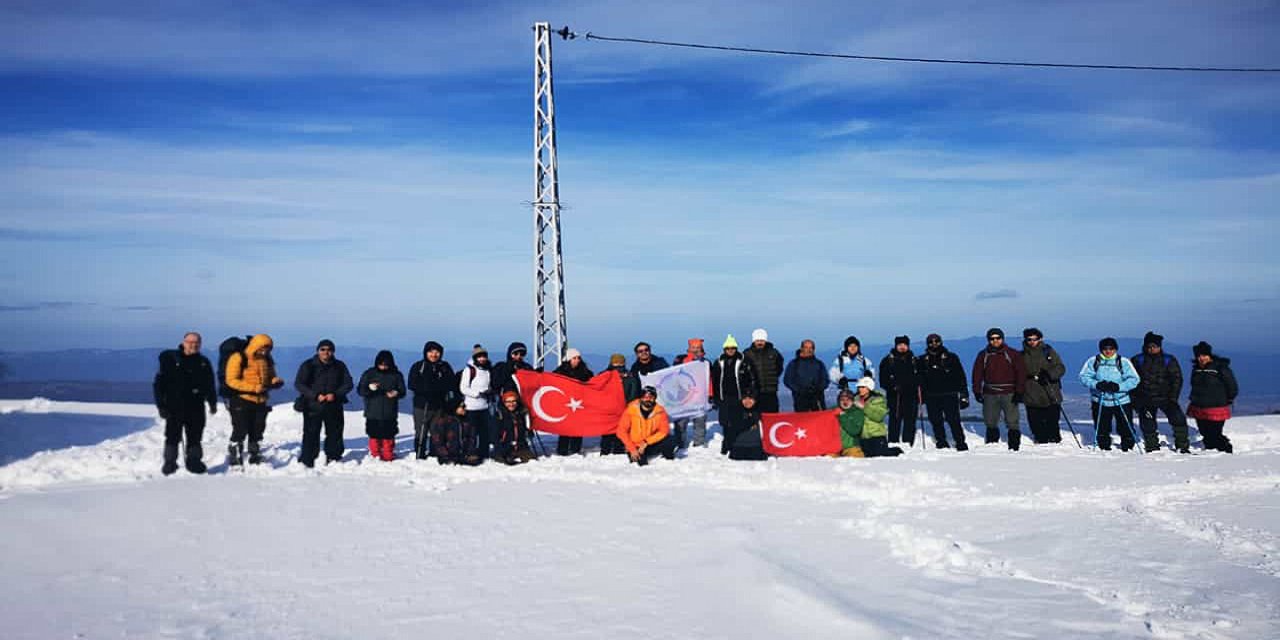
(869, 408)
(695, 353)
(645, 429)
(572, 367)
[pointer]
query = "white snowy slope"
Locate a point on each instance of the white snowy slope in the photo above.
(1049, 542)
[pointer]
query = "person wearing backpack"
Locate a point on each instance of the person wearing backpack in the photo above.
(999, 380)
(453, 440)
(902, 386)
(183, 386)
(945, 389)
(250, 375)
(382, 386)
(474, 382)
(433, 383)
(1043, 395)
(850, 365)
(1158, 390)
(1213, 390)
(502, 377)
(323, 383)
(609, 442)
(1109, 378)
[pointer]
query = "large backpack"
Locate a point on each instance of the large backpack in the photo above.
(232, 345)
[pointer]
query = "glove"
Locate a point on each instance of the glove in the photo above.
(1108, 386)
(978, 397)
(1017, 398)
(964, 401)
(843, 383)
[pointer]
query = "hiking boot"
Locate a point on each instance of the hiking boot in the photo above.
(1015, 440)
(993, 436)
(170, 459)
(235, 454)
(961, 446)
(1184, 450)
(941, 444)
(194, 463)
(255, 454)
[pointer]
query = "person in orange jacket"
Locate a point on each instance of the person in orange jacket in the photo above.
(252, 374)
(645, 429)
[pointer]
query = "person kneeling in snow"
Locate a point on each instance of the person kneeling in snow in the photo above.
(870, 408)
(850, 426)
(382, 386)
(512, 446)
(645, 429)
(453, 437)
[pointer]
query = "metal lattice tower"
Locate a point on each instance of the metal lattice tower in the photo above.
(549, 335)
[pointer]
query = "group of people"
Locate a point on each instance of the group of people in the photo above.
(476, 413)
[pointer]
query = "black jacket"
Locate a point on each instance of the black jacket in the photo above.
(184, 382)
(513, 427)
(434, 385)
(656, 363)
(630, 383)
(767, 365)
(898, 373)
(502, 376)
(941, 374)
(315, 378)
(733, 378)
(1214, 385)
(581, 373)
(1160, 379)
(377, 406)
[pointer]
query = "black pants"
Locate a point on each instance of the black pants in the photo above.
(767, 402)
(331, 418)
(878, 447)
(189, 421)
(665, 447)
(1211, 431)
(1177, 421)
(479, 422)
(945, 407)
(733, 421)
(902, 416)
(809, 401)
(569, 446)
(1122, 416)
(1044, 423)
(248, 419)
(610, 444)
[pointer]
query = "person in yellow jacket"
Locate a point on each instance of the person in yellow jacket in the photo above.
(645, 429)
(252, 375)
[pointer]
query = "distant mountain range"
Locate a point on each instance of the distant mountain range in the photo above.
(125, 375)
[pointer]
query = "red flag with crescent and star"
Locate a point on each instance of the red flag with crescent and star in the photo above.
(567, 407)
(814, 433)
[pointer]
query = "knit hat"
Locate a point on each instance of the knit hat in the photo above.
(478, 351)
(1152, 338)
(649, 390)
(695, 343)
(1108, 342)
(995, 331)
(845, 393)
(385, 356)
(759, 335)
(730, 342)
(1202, 348)
(510, 394)
(642, 343)
(931, 337)
(902, 340)
(1031, 331)
(617, 360)
(432, 345)
(867, 382)
(572, 353)
(851, 340)
(326, 343)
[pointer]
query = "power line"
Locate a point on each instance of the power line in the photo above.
(567, 34)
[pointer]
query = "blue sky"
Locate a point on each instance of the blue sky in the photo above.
(363, 171)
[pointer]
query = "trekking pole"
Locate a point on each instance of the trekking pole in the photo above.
(1070, 426)
(920, 425)
(1138, 443)
(1097, 419)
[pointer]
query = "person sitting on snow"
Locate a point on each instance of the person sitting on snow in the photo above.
(645, 429)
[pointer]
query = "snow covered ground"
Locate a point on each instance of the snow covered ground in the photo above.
(1050, 542)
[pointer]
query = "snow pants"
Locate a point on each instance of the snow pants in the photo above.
(878, 447)
(189, 421)
(945, 407)
(733, 421)
(1044, 423)
(1211, 431)
(665, 447)
(332, 420)
(809, 401)
(248, 419)
(994, 406)
(903, 408)
(422, 417)
(699, 424)
(1121, 416)
(1177, 420)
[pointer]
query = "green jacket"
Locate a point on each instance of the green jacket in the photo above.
(866, 421)
(1043, 358)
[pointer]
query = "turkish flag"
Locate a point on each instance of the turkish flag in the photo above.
(567, 407)
(815, 433)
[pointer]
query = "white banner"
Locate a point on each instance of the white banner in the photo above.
(683, 390)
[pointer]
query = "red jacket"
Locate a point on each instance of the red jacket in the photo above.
(999, 373)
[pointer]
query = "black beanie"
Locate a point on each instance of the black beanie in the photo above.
(326, 343)
(1108, 342)
(851, 340)
(1202, 348)
(1152, 338)
(432, 345)
(995, 331)
(1031, 331)
(902, 340)
(385, 356)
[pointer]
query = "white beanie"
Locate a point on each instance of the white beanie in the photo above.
(572, 353)
(760, 334)
(867, 382)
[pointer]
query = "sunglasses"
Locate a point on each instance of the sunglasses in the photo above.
(327, 349)
(994, 339)
(935, 342)
(642, 351)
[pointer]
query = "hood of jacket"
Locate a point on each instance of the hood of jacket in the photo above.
(258, 342)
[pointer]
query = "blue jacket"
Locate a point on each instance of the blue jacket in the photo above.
(1118, 370)
(805, 375)
(842, 366)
